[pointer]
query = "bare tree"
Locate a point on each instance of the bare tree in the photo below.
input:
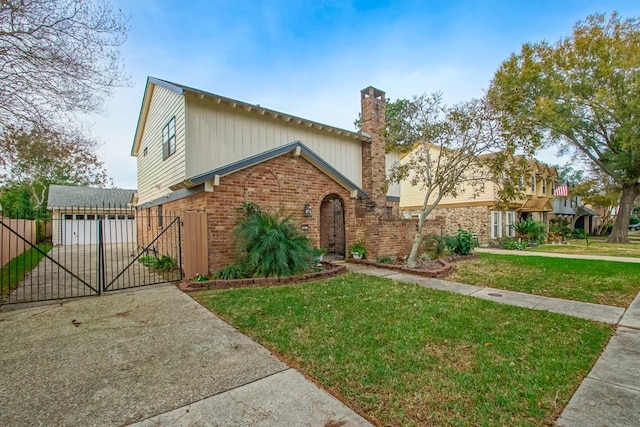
(451, 152)
(57, 57)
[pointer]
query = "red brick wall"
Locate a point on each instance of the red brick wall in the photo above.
(285, 183)
(393, 236)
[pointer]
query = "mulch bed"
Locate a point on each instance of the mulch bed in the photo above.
(430, 268)
(329, 270)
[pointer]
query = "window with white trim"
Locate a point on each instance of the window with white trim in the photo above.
(511, 219)
(496, 224)
(169, 138)
(544, 187)
(533, 184)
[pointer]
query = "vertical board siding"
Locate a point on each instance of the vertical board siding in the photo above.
(390, 159)
(220, 135)
(155, 175)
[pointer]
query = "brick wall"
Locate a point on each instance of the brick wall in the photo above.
(285, 183)
(393, 236)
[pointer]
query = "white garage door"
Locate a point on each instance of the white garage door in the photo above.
(82, 229)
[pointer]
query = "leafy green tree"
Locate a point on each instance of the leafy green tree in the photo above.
(17, 203)
(583, 94)
(450, 152)
(393, 110)
(31, 160)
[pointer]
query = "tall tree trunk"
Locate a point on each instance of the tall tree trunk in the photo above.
(620, 232)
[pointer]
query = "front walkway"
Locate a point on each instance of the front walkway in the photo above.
(610, 393)
(558, 255)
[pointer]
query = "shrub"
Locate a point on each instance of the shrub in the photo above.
(530, 230)
(162, 263)
(512, 244)
(578, 233)
(230, 272)
(384, 260)
(268, 245)
(435, 246)
(463, 242)
(634, 220)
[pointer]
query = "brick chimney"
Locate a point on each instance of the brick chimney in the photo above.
(373, 153)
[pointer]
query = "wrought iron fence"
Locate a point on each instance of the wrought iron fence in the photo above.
(81, 251)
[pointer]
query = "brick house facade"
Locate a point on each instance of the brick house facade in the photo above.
(215, 153)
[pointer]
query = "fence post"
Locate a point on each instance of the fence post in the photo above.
(180, 246)
(101, 272)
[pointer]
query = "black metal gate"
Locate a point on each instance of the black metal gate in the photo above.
(87, 251)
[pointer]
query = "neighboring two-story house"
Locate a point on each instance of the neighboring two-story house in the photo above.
(201, 152)
(485, 215)
(570, 207)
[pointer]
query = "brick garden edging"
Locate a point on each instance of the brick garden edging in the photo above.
(440, 272)
(330, 270)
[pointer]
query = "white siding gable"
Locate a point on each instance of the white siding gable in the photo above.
(156, 175)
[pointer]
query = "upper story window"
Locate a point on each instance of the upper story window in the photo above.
(544, 187)
(521, 182)
(533, 184)
(169, 138)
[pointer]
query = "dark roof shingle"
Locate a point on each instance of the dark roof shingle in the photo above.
(66, 196)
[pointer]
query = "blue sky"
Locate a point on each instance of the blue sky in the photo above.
(312, 58)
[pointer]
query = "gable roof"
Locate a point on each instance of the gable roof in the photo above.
(182, 89)
(540, 204)
(295, 147)
(67, 196)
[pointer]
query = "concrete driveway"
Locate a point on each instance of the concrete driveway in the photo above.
(48, 280)
(151, 355)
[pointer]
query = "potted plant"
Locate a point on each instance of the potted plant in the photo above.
(318, 254)
(358, 250)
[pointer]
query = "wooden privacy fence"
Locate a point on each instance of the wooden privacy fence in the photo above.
(11, 245)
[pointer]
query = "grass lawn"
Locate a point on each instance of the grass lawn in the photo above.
(14, 271)
(406, 355)
(600, 282)
(598, 246)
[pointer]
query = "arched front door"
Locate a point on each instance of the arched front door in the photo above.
(332, 234)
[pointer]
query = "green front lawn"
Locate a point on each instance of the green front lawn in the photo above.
(406, 355)
(14, 271)
(597, 246)
(600, 282)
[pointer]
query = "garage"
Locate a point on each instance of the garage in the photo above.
(81, 214)
(84, 229)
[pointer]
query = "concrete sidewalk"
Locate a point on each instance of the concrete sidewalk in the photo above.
(610, 394)
(153, 356)
(558, 255)
(585, 310)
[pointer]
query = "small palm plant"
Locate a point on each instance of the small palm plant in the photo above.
(269, 245)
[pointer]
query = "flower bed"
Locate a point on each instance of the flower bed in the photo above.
(330, 270)
(445, 266)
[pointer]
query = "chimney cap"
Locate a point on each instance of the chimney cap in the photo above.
(371, 91)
